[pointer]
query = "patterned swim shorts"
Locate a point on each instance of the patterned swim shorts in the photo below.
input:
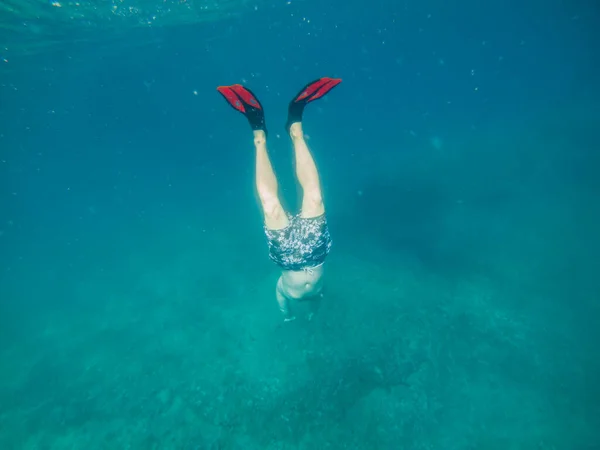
(303, 244)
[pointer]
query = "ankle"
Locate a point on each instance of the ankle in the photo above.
(296, 131)
(260, 137)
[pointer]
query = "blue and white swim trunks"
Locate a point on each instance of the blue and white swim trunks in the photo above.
(303, 244)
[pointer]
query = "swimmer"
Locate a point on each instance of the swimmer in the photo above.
(298, 244)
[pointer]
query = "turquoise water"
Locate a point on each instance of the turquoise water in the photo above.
(459, 161)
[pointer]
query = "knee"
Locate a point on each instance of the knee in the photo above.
(271, 206)
(313, 196)
(313, 199)
(268, 199)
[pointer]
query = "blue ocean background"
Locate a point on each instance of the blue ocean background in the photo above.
(459, 159)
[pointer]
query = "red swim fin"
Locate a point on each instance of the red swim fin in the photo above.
(312, 91)
(231, 97)
(316, 89)
(243, 100)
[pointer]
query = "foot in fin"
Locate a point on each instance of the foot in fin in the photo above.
(312, 91)
(243, 100)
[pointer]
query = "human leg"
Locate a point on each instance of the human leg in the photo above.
(306, 169)
(307, 174)
(245, 102)
(267, 187)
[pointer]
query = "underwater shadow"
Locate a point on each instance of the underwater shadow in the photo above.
(336, 386)
(415, 220)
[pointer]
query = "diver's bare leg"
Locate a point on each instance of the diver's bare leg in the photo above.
(307, 174)
(266, 185)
